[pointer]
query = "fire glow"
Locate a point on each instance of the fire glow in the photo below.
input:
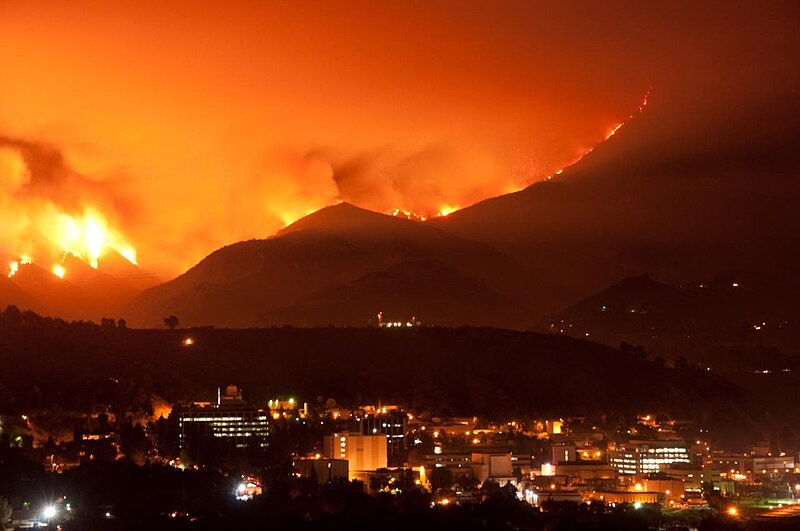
(52, 213)
(86, 237)
(611, 133)
(446, 210)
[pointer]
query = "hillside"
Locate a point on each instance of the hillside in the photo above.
(463, 371)
(703, 321)
(679, 204)
(83, 293)
(341, 265)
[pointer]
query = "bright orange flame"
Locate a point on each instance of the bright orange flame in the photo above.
(88, 237)
(611, 133)
(13, 267)
(58, 270)
(447, 210)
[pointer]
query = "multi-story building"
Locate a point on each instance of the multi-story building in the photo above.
(694, 476)
(210, 433)
(770, 464)
(493, 466)
(647, 457)
(391, 423)
(364, 453)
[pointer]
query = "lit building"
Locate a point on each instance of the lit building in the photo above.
(383, 323)
(585, 470)
(647, 457)
(591, 453)
(391, 423)
(769, 464)
(364, 453)
(210, 432)
(494, 467)
(457, 461)
(563, 453)
(286, 408)
(555, 427)
(693, 476)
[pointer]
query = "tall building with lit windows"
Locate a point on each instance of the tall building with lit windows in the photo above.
(364, 453)
(388, 422)
(212, 433)
(647, 457)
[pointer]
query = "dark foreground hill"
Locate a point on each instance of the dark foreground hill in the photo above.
(460, 371)
(341, 266)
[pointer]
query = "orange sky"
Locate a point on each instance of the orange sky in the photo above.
(213, 122)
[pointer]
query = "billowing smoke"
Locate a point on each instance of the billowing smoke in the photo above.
(230, 120)
(48, 210)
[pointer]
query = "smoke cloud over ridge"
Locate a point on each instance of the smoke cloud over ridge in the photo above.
(182, 127)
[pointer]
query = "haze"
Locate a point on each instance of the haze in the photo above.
(193, 125)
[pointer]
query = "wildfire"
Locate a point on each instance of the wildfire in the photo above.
(611, 133)
(49, 217)
(86, 237)
(14, 266)
(445, 210)
(58, 270)
(407, 214)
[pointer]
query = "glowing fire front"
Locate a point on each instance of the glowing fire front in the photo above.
(449, 209)
(611, 133)
(86, 237)
(408, 214)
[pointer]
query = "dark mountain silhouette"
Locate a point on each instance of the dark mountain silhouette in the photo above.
(701, 320)
(12, 294)
(679, 203)
(83, 293)
(342, 265)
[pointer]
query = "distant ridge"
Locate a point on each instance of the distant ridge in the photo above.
(343, 264)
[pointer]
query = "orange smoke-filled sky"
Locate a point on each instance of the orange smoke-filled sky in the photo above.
(210, 122)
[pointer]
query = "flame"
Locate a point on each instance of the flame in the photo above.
(406, 214)
(88, 237)
(447, 210)
(443, 211)
(14, 266)
(608, 135)
(58, 270)
(47, 224)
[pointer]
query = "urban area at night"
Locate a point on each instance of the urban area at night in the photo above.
(512, 265)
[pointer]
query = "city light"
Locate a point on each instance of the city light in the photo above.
(49, 512)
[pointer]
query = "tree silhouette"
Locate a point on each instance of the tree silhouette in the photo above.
(5, 511)
(171, 322)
